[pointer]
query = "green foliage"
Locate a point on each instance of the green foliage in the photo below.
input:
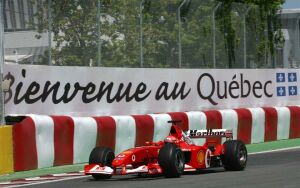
(269, 27)
(77, 28)
(74, 30)
(262, 23)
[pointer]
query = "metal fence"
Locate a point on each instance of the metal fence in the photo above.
(137, 33)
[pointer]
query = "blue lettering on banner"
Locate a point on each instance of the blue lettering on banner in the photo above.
(280, 77)
(293, 90)
(292, 77)
(281, 91)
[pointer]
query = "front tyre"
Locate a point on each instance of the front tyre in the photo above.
(171, 160)
(103, 156)
(235, 155)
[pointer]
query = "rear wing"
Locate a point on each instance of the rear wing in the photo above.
(209, 133)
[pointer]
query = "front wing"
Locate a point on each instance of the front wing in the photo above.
(147, 169)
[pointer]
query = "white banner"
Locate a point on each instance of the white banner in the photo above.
(91, 91)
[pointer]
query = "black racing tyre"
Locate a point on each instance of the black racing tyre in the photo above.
(171, 160)
(235, 155)
(104, 156)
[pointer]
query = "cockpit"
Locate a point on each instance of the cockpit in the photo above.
(180, 135)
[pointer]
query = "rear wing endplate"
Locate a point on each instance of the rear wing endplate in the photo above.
(208, 133)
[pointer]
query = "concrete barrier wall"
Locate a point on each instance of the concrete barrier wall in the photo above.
(6, 150)
(45, 141)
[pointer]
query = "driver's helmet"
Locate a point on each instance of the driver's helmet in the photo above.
(187, 139)
(171, 139)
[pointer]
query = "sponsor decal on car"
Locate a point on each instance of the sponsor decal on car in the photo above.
(201, 157)
(121, 156)
(208, 132)
(133, 158)
(127, 152)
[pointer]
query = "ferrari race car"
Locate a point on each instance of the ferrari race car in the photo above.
(172, 156)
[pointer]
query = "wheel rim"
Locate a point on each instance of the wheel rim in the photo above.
(243, 156)
(179, 161)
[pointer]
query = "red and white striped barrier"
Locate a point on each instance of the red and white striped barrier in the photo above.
(44, 141)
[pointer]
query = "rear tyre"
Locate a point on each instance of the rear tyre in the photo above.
(103, 156)
(235, 155)
(171, 160)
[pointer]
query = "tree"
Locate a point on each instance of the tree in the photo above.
(269, 24)
(75, 32)
(267, 27)
(76, 36)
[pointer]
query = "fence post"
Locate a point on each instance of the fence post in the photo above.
(99, 32)
(179, 33)
(141, 34)
(245, 36)
(49, 32)
(214, 33)
(2, 111)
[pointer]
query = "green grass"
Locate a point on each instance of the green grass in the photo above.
(267, 146)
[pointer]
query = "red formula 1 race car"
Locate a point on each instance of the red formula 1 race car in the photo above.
(170, 157)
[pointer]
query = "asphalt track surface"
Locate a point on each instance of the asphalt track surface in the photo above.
(267, 170)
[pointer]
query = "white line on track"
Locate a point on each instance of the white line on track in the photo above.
(275, 150)
(66, 174)
(44, 182)
(71, 178)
